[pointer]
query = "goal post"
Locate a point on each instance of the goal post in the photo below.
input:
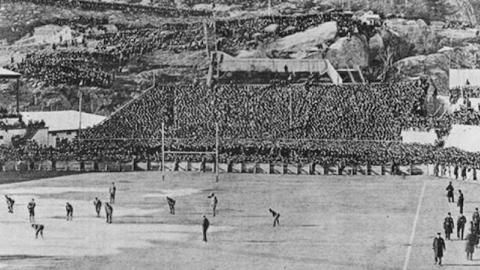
(215, 153)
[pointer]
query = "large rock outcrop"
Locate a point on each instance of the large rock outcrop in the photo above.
(463, 11)
(349, 52)
(417, 33)
(434, 66)
(304, 41)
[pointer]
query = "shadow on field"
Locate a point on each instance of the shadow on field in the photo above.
(16, 177)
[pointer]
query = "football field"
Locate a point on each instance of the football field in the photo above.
(327, 222)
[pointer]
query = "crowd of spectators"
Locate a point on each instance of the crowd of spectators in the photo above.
(176, 37)
(249, 32)
(167, 9)
(360, 112)
(67, 67)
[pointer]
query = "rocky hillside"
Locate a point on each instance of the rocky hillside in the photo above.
(430, 37)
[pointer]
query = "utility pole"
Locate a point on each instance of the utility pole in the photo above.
(216, 153)
(163, 151)
(79, 114)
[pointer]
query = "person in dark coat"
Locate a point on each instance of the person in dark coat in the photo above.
(276, 217)
(10, 203)
(476, 221)
(464, 173)
(438, 248)
(69, 209)
(205, 226)
(461, 221)
(448, 226)
(450, 190)
(472, 241)
(460, 201)
(455, 172)
(98, 206)
(171, 205)
(108, 212)
(112, 191)
(31, 210)
(38, 230)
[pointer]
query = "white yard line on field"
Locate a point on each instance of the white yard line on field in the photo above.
(412, 236)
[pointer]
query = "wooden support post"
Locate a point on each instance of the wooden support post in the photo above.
(216, 153)
(163, 151)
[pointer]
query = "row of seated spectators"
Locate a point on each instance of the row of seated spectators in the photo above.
(293, 151)
(167, 10)
(249, 32)
(351, 112)
(67, 67)
(139, 41)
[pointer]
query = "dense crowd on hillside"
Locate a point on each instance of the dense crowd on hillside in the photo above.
(360, 112)
(69, 67)
(177, 37)
(166, 10)
(250, 32)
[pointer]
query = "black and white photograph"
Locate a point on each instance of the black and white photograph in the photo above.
(240, 134)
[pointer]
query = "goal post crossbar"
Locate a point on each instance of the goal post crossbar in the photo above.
(216, 152)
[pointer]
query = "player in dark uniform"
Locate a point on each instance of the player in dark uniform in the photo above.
(276, 217)
(10, 203)
(205, 226)
(108, 212)
(38, 230)
(31, 210)
(69, 209)
(450, 190)
(171, 205)
(461, 221)
(98, 206)
(112, 191)
(448, 225)
(460, 201)
(438, 248)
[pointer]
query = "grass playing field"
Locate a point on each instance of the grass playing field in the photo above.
(327, 222)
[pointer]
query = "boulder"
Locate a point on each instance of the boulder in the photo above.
(456, 36)
(417, 33)
(464, 57)
(434, 66)
(349, 52)
(272, 28)
(303, 40)
(463, 11)
(376, 44)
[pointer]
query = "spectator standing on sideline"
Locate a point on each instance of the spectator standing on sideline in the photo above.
(472, 241)
(476, 220)
(438, 248)
(461, 221)
(450, 190)
(112, 191)
(31, 210)
(205, 226)
(448, 225)
(460, 201)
